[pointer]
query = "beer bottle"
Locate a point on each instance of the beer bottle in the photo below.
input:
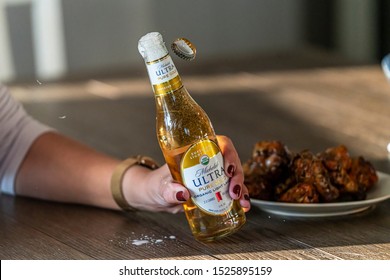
(189, 145)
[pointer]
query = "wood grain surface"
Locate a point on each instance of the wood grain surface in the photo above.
(306, 108)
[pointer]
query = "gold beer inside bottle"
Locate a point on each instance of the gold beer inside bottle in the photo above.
(185, 132)
(181, 122)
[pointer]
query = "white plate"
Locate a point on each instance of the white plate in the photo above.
(380, 192)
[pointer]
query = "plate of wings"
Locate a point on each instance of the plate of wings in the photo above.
(304, 184)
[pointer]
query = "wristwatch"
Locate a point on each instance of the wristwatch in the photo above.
(118, 174)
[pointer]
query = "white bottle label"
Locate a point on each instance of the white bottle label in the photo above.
(204, 176)
(161, 71)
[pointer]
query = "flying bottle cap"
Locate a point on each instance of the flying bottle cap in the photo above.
(184, 49)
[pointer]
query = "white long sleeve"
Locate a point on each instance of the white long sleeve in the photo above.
(18, 131)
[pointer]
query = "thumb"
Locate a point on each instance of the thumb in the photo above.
(174, 193)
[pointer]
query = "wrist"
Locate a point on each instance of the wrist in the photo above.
(129, 173)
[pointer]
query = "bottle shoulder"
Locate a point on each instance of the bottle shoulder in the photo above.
(178, 100)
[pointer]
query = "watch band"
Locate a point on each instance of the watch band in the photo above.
(118, 174)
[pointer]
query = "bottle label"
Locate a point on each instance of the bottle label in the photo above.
(163, 75)
(204, 176)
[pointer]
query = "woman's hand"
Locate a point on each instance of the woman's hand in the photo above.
(157, 191)
(154, 190)
(233, 169)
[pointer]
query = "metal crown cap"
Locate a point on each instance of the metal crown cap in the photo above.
(184, 49)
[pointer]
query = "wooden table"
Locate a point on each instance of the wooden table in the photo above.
(313, 108)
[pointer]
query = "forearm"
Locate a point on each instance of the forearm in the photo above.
(60, 169)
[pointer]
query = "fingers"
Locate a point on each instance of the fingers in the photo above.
(172, 194)
(232, 160)
(234, 171)
(238, 190)
(245, 199)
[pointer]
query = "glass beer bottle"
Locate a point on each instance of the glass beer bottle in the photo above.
(189, 145)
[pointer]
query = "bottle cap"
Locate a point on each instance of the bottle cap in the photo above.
(184, 49)
(152, 47)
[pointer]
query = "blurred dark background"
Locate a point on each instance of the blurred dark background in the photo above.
(67, 39)
(330, 23)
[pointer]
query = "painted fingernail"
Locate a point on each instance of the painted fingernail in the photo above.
(237, 190)
(230, 170)
(180, 196)
(246, 197)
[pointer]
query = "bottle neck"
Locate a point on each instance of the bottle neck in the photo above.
(163, 75)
